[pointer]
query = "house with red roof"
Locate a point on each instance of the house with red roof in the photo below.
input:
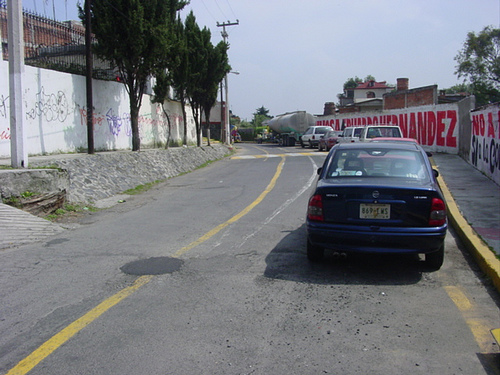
(367, 96)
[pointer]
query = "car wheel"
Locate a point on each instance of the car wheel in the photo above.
(314, 253)
(435, 260)
(302, 144)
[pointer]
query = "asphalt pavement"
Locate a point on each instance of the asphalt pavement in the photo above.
(473, 209)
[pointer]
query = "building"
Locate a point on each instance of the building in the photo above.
(366, 97)
(404, 97)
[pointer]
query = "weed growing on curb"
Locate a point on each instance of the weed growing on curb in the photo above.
(142, 188)
(69, 209)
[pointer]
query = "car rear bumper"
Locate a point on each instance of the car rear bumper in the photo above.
(381, 240)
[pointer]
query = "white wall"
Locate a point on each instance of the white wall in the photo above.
(55, 115)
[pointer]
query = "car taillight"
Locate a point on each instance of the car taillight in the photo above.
(437, 217)
(315, 208)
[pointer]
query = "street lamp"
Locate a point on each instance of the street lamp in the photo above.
(228, 120)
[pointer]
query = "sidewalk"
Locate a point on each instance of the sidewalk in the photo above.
(473, 210)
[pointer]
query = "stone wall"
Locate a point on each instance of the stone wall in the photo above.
(89, 178)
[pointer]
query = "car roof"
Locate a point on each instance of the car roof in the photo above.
(393, 139)
(411, 146)
(382, 125)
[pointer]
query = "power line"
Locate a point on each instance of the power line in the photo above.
(218, 6)
(229, 4)
(208, 10)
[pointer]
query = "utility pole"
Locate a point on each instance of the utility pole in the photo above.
(227, 119)
(89, 68)
(18, 151)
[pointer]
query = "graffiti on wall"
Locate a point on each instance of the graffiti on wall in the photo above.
(51, 107)
(485, 141)
(151, 126)
(4, 106)
(430, 128)
(55, 117)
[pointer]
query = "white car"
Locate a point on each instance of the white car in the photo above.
(312, 136)
(376, 131)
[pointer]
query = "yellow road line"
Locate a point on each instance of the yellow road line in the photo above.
(458, 297)
(235, 218)
(242, 157)
(64, 335)
(479, 328)
(47, 348)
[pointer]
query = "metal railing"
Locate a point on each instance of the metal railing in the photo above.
(54, 45)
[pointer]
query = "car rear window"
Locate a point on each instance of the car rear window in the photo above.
(378, 163)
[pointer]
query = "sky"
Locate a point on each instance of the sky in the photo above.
(297, 54)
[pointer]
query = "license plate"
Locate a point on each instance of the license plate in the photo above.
(374, 211)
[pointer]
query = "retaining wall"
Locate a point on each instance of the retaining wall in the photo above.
(89, 178)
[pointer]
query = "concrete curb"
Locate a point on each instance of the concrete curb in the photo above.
(485, 258)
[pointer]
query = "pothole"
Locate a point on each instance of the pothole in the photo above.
(152, 266)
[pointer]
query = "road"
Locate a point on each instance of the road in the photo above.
(232, 290)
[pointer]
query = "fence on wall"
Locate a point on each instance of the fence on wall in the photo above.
(54, 45)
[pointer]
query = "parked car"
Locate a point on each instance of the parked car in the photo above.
(379, 198)
(351, 134)
(391, 139)
(370, 132)
(329, 140)
(312, 136)
(397, 140)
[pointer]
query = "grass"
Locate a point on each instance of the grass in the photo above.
(69, 209)
(142, 188)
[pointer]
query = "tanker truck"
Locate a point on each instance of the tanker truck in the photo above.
(289, 127)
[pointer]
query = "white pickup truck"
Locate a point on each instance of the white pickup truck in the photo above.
(376, 131)
(350, 134)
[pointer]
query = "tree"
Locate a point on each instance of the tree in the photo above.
(460, 88)
(198, 41)
(173, 71)
(260, 115)
(217, 68)
(479, 63)
(161, 94)
(353, 82)
(133, 34)
(262, 111)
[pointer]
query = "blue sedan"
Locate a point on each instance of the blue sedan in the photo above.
(377, 198)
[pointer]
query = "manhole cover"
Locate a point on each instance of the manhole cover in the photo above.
(152, 266)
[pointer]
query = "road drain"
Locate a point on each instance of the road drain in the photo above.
(152, 266)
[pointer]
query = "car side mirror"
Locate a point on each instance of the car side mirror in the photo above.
(429, 154)
(436, 173)
(319, 170)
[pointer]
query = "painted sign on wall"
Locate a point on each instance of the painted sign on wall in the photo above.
(435, 127)
(485, 141)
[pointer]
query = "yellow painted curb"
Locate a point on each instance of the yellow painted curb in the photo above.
(496, 334)
(485, 258)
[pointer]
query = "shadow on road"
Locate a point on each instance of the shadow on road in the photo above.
(288, 261)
